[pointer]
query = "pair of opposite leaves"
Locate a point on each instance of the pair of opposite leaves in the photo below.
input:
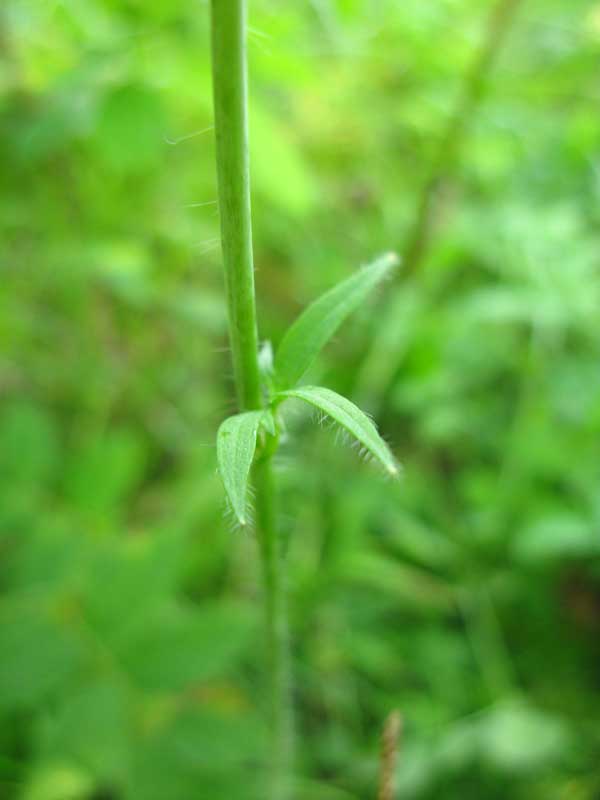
(236, 438)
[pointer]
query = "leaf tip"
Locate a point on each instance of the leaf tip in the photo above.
(393, 470)
(391, 258)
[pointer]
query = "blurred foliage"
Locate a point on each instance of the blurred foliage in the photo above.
(468, 595)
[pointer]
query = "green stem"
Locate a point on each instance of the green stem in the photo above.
(233, 174)
(277, 644)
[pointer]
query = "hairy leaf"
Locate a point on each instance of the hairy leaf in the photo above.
(350, 417)
(236, 443)
(317, 323)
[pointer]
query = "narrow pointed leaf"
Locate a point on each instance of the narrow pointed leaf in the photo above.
(318, 323)
(236, 443)
(350, 417)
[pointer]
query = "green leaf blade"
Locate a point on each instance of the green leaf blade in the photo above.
(350, 417)
(236, 444)
(311, 331)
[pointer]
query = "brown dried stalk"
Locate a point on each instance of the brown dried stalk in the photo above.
(389, 756)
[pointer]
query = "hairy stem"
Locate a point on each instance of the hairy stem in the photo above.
(280, 710)
(233, 173)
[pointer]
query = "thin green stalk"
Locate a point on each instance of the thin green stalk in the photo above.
(233, 174)
(280, 711)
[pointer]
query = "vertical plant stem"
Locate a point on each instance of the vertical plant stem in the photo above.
(376, 375)
(280, 708)
(233, 173)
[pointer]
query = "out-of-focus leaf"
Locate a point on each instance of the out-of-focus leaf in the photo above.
(179, 647)
(142, 573)
(91, 727)
(60, 780)
(558, 536)
(124, 266)
(319, 790)
(28, 444)
(317, 324)
(279, 171)
(516, 737)
(414, 587)
(104, 470)
(131, 128)
(350, 417)
(38, 657)
(199, 753)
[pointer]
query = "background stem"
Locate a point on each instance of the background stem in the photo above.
(389, 756)
(454, 134)
(376, 376)
(233, 173)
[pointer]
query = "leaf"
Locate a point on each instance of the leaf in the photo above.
(316, 324)
(143, 571)
(350, 417)
(412, 586)
(181, 646)
(280, 172)
(58, 780)
(206, 745)
(130, 129)
(517, 737)
(102, 473)
(39, 657)
(90, 727)
(557, 536)
(236, 443)
(29, 445)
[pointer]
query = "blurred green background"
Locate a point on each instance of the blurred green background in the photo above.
(467, 595)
